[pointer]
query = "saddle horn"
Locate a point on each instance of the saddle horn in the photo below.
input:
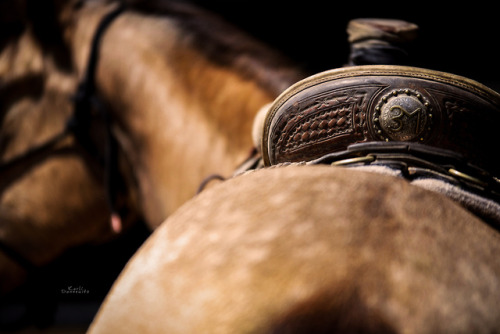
(380, 41)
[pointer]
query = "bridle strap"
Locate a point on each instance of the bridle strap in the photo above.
(86, 88)
(78, 125)
(38, 151)
(86, 98)
(17, 257)
(83, 100)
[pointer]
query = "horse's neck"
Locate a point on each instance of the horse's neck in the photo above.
(180, 116)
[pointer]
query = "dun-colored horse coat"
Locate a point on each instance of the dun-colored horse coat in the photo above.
(49, 202)
(182, 96)
(311, 249)
(181, 89)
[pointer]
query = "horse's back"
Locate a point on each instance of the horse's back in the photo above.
(311, 249)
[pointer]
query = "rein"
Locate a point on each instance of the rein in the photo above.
(86, 98)
(78, 125)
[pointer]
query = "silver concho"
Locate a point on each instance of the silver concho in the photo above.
(402, 115)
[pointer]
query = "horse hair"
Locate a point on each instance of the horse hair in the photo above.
(224, 44)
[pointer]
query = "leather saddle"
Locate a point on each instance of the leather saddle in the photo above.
(399, 114)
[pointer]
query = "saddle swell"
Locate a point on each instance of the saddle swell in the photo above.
(329, 111)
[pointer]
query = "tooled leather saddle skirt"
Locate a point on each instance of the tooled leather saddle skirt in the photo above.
(421, 121)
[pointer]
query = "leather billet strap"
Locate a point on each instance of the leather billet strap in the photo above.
(415, 160)
(329, 111)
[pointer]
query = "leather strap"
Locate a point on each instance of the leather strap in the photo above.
(78, 125)
(84, 100)
(416, 160)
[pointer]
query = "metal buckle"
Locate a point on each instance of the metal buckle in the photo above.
(467, 177)
(352, 161)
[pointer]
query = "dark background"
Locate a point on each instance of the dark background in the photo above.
(457, 37)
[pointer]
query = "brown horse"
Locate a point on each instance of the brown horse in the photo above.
(311, 249)
(181, 87)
